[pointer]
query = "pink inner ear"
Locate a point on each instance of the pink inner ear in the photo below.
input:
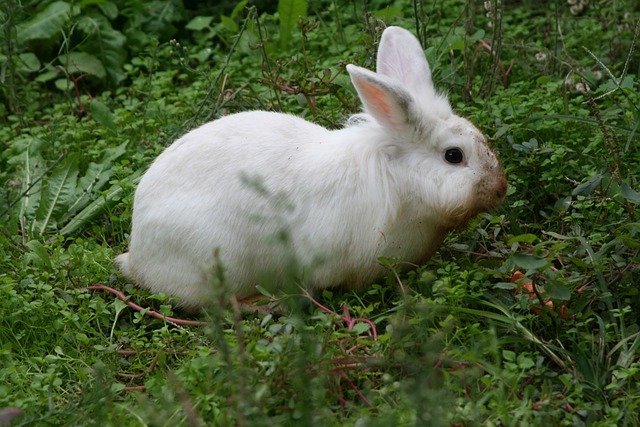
(376, 98)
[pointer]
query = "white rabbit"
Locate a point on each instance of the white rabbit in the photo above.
(392, 183)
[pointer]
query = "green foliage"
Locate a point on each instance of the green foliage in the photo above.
(65, 41)
(528, 317)
(289, 11)
(45, 24)
(69, 186)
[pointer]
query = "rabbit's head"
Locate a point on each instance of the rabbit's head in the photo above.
(444, 165)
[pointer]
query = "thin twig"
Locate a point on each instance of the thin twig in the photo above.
(358, 392)
(173, 320)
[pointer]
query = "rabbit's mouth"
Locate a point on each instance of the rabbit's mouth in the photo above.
(491, 191)
(491, 198)
(488, 196)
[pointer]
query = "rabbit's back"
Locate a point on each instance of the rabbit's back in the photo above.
(303, 196)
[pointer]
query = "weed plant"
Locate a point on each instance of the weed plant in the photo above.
(528, 317)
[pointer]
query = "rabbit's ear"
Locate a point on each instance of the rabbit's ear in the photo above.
(400, 56)
(382, 97)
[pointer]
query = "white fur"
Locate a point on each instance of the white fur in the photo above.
(338, 199)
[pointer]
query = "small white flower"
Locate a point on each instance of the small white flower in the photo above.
(581, 87)
(576, 9)
(488, 5)
(572, 2)
(597, 75)
(541, 56)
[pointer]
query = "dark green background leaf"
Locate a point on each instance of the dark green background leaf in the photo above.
(46, 24)
(82, 63)
(557, 292)
(530, 262)
(289, 11)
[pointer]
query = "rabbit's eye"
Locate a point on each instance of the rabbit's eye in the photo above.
(453, 155)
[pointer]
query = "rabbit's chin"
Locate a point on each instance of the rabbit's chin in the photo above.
(457, 217)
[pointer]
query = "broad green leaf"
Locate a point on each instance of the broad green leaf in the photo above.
(523, 238)
(31, 162)
(525, 362)
(118, 306)
(289, 11)
(28, 62)
(327, 294)
(505, 285)
(509, 355)
(64, 84)
(46, 24)
(360, 327)
(108, 9)
(629, 193)
(502, 131)
(102, 115)
(388, 13)
(457, 44)
(58, 193)
(479, 34)
(237, 10)
(587, 188)
(199, 23)
(80, 62)
(161, 13)
(117, 387)
(627, 82)
(38, 254)
(264, 291)
(557, 235)
(558, 292)
(229, 24)
(94, 179)
(530, 262)
(97, 206)
(107, 44)
(47, 76)
(563, 204)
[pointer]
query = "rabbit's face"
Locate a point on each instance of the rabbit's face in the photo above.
(461, 175)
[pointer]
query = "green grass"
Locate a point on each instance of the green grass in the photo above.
(458, 341)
